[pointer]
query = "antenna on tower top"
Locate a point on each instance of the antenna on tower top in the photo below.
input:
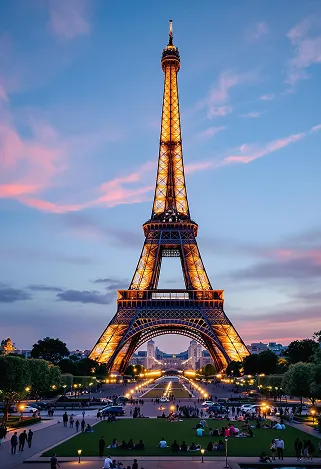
(170, 32)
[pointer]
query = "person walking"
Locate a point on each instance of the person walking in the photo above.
(311, 449)
(135, 464)
(65, 419)
(101, 445)
(54, 462)
(14, 443)
(77, 425)
(280, 448)
(29, 437)
(83, 425)
(71, 421)
(22, 440)
(298, 449)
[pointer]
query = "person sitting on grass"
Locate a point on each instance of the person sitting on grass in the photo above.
(175, 447)
(183, 446)
(194, 447)
(140, 445)
(247, 432)
(265, 457)
(123, 445)
(89, 429)
(114, 444)
(162, 443)
(220, 446)
(209, 446)
(130, 444)
(200, 431)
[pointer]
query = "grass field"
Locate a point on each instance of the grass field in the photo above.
(152, 430)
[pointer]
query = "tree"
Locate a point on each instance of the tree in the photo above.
(301, 351)
(296, 381)
(134, 370)
(267, 362)
(87, 367)
(67, 365)
(14, 378)
(315, 383)
(54, 377)
(235, 369)
(209, 370)
(52, 350)
(317, 336)
(39, 375)
(250, 365)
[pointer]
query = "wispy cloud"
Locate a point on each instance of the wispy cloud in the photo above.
(267, 97)
(306, 40)
(252, 115)
(258, 30)
(251, 152)
(70, 18)
(11, 295)
(219, 95)
(210, 132)
(78, 296)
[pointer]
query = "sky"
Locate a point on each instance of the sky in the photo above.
(80, 107)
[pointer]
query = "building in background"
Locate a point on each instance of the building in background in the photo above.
(194, 354)
(258, 347)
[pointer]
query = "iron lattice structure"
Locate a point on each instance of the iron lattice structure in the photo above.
(144, 311)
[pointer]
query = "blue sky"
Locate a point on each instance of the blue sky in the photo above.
(80, 107)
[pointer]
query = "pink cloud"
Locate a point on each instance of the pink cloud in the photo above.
(27, 165)
(110, 194)
(267, 97)
(306, 40)
(250, 153)
(69, 18)
(210, 132)
(313, 255)
(194, 167)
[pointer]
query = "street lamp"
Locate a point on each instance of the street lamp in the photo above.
(313, 414)
(226, 465)
(79, 454)
(202, 452)
(21, 411)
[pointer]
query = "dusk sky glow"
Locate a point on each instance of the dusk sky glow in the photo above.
(80, 109)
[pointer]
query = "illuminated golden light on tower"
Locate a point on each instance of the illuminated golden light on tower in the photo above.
(169, 232)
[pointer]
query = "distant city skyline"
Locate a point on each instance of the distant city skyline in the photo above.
(80, 104)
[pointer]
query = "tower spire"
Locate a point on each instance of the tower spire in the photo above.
(170, 32)
(170, 200)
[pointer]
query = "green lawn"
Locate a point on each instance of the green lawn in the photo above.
(152, 430)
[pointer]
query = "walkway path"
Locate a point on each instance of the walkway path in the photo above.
(45, 435)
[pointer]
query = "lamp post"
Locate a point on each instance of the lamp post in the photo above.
(202, 452)
(226, 465)
(79, 454)
(313, 414)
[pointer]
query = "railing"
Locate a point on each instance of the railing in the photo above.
(159, 295)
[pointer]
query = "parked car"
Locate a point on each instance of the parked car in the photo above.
(164, 399)
(246, 407)
(216, 408)
(29, 408)
(12, 408)
(208, 403)
(113, 409)
(40, 405)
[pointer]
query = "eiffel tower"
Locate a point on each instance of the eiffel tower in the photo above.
(144, 311)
